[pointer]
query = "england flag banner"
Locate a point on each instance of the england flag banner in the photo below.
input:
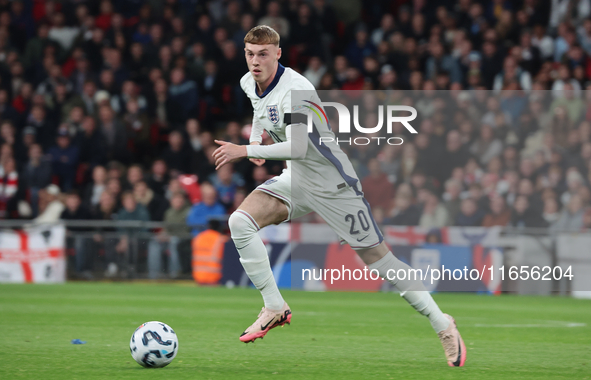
(35, 255)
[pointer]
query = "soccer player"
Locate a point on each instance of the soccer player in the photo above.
(325, 182)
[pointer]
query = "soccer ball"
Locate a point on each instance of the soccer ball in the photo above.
(154, 344)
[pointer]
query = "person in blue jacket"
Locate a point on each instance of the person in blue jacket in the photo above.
(203, 211)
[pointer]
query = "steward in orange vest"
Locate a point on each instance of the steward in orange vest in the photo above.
(208, 252)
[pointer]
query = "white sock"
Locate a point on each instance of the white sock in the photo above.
(254, 257)
(412, 290)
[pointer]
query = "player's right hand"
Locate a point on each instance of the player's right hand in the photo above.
(257, 161)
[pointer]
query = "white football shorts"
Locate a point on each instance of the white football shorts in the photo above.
(345, 210)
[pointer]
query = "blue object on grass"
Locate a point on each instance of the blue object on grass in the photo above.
(78, 341)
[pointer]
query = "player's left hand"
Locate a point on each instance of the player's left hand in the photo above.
(227, 153)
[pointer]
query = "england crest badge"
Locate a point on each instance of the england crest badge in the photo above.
(273, 114)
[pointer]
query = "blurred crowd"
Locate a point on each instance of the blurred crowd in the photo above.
(109, 109)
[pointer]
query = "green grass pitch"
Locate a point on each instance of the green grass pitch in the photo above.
(332, 335)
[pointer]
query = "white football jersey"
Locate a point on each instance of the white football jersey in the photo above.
(325, 168)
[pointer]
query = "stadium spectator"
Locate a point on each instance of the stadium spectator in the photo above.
(305, 42)
(376, 187)
(567, 110)
(193, 130)
(475, 192)
(114, 67)
(8, 187)
(36, 45)
(74, 210)
(211, 85)
(155, 204)
(175, 227)
(434, 214)
(509, 159)
(64, 158)
(72, 115)
(44, 129)
(62, 34)
(137, 127)
(276, 20)
(574, 182)
(203, 162)
(234, 134)
(404, 212)
(95, 189)
(512, 73)
(28, 139)
(231, 65)
(81, 74)
(451, 197)
(526, 216)
(106, 207)
(131, 211)
(128, 92)
(6, 152)
(47, 88)
(455, 154)
(226, 183)
(208, 253)
(36, 175)
(239, 197)
(470, 215)
(438, 62)
(486, 146)
(359, 48)
(161, 106)
(86, 98)
(551, 210)
(7, 111)
(208, 208)
(316, 69)
(176, 155)
(565, 82)
(495, 116)
(158, 178)
(114, 188)
(175, 186)
(499, 215)
(247, 22)
(8, 136)
(571, 217)
(135, 174)
(114, 134)
(260, 175)
(183, 97)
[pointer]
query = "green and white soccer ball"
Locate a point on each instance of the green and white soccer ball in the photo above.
(154, 345)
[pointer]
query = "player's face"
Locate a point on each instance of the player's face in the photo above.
(262, 60)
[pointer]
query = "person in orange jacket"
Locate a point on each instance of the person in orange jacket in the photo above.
(208, 253)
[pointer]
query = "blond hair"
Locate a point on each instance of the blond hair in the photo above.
(262, 35)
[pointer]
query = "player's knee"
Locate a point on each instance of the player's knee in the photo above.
(236, 224)
(241, 225)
